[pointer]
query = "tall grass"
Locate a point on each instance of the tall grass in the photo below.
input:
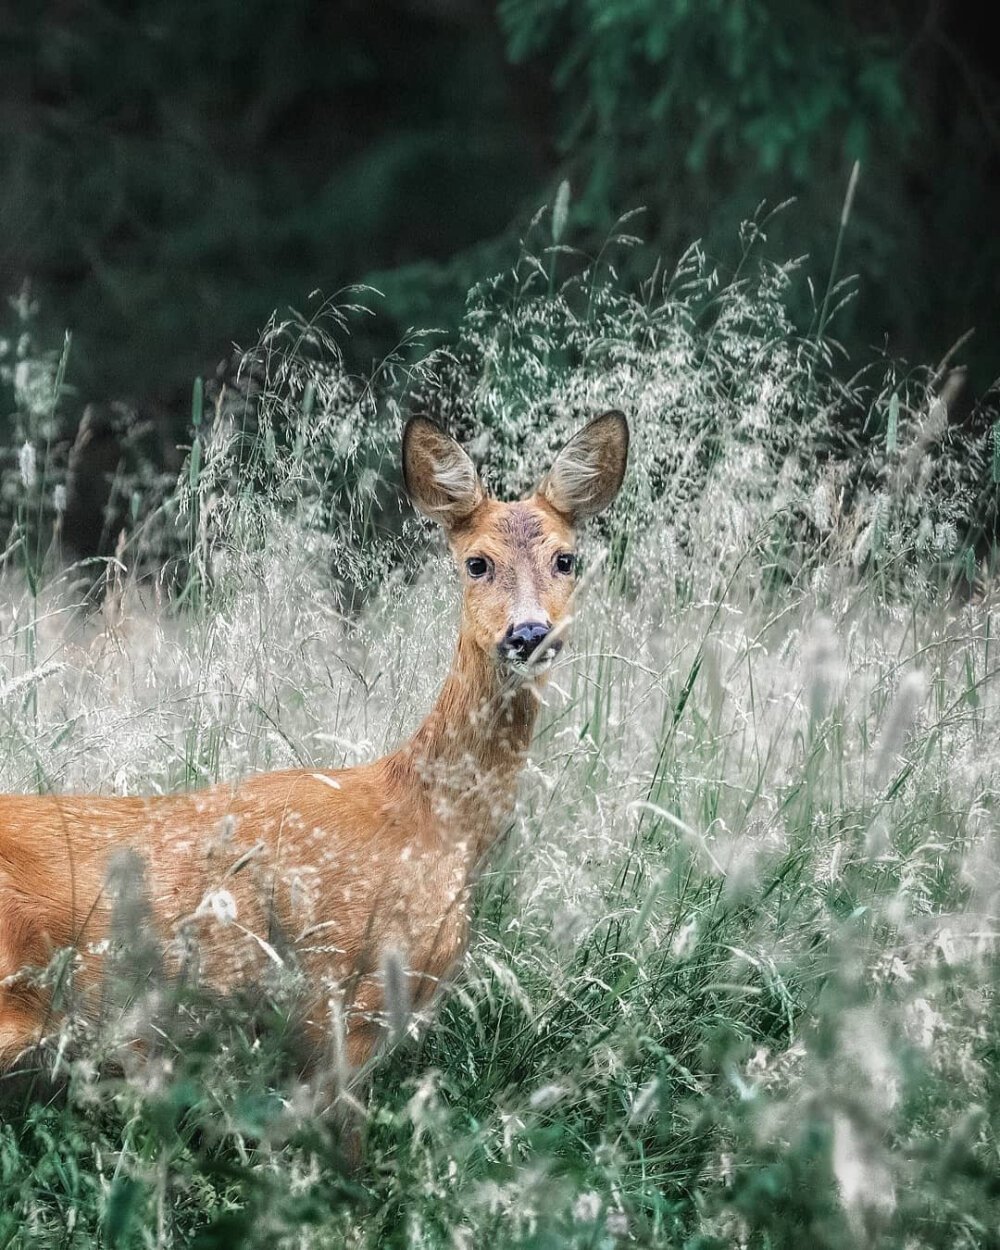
(733, 975)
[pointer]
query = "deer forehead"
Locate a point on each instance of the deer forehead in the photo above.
(512, 532)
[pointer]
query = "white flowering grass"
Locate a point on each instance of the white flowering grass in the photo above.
(733, 975)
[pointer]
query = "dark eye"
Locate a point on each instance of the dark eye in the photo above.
(565, 563)
(477, 566)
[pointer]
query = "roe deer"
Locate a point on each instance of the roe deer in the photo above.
(341, 867)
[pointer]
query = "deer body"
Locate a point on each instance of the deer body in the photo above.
(331, 869)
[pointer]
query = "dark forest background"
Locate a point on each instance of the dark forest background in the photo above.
(173, 170)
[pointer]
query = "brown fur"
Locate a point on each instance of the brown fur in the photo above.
(381, 859)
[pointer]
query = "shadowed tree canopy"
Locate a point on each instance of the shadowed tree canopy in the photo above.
(175, 169)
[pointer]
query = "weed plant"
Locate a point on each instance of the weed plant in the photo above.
(734, 969)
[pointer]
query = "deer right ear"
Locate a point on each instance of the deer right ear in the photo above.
(440, 478)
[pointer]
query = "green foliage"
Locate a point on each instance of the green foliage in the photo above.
(180, 167)
(733, 975)
(175, 169)
(768, 81)
(32, 467)
(699, 111)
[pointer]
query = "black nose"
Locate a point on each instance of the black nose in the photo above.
(522, 641)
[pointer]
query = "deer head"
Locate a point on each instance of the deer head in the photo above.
(518, 560)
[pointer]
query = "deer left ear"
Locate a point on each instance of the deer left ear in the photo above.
(587, 474)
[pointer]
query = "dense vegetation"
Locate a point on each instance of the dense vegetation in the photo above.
(734, 973)
(174, 169)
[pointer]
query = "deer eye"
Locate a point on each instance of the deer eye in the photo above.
(477, 566)
(565, 562)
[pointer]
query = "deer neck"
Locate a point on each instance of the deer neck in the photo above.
(466, 755)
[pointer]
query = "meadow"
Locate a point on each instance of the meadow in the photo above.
(733, 974)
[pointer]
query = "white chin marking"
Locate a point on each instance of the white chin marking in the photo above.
(527, 670)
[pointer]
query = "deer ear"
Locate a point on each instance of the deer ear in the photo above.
(588, 472)
(441, 479)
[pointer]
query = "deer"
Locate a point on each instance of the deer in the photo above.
(348, 872)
